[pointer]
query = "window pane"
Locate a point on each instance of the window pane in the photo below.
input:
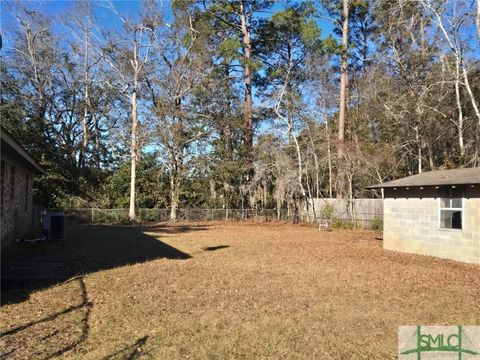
(457, 198)
(445, 219)
(457, 202)
(444, 194)
(450, 219)
(445, 202)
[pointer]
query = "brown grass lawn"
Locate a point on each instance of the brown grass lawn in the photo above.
(224, 291)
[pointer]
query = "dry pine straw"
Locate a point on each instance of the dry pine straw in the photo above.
(264, 291)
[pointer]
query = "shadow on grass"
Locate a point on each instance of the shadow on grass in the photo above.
(214, 248)
(175, 229)
(55, 343)
(130, 352)
(27, 267)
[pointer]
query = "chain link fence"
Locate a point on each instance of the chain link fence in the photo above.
(120, 216)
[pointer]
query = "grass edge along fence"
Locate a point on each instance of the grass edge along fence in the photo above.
(120, 216)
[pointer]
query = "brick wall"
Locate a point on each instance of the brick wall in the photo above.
(17, 198)
(411, 225)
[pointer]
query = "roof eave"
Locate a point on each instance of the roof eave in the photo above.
(19, 149)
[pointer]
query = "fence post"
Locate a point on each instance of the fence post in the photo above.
(92, 215)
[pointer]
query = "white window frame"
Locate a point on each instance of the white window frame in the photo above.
(461, 209)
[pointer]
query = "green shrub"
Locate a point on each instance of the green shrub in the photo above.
(342, 224)
(102, 216)
(377, 224)
(327, 211)
(148, 215)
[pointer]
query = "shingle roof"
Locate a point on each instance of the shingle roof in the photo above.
(10, 146)
(466, 176)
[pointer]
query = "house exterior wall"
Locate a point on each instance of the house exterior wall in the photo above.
(16, 201)
(411, 225)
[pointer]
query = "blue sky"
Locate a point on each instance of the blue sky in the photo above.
(55, 9)
(126, 7)
(106, 18)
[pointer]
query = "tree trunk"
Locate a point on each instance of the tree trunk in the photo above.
(173, 175)
(97, 143)
(213, 191)
(83, 149)
(431, 162)
(174, 204)
(343, 102)
(310, 200)
(350, 199)
(247, 79)
(477, 20)
(329, 154)
(329, 147)
(289, 100)
(470, 94)
(419, 149)
(459, 108)
(227, 126)
(457, 52)
(133, 155)
(300, 167)
(343, 74)
(316, 164)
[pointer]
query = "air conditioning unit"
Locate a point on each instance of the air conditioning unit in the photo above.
(54, 225)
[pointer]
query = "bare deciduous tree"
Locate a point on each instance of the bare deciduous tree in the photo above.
(128, 55)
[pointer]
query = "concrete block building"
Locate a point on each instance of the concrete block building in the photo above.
(16, 193)
(435, 213)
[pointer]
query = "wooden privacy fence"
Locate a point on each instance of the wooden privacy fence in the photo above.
(337, 218)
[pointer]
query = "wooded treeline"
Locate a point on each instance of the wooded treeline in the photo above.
(239, 104)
